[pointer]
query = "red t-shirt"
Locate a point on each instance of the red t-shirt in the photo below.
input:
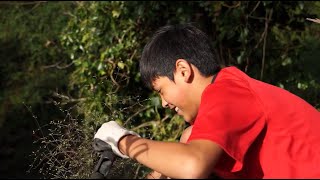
(265, 131)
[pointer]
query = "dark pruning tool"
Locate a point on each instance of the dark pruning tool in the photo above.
(107, 157)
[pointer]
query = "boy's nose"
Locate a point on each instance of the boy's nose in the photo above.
(164, 103)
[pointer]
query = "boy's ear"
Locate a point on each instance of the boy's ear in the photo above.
(184, 70)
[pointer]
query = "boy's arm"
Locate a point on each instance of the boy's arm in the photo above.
(183, 139)
(175, 160)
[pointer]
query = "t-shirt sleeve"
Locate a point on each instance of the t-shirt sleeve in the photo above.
(231, 116)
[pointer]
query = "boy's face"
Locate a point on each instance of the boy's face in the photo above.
(174, 97)
(178, 95)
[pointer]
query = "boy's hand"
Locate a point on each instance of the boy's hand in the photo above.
(110, 132)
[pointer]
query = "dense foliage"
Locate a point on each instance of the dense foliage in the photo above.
(76, 64)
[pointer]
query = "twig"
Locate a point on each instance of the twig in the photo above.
(233, 6)
(247, 65)
(111, 76)
(21, 3)
(260, 40)
(35, 117)
(56, 65)
(146, 124)
(135, 114)
(133, 54)
(165, 118)
(221, 55)
(70, 14)
(150, 123)
(67, 98)
(254, 17)
(254, 8)
(265, 41)
(137, 171)
(314, 20)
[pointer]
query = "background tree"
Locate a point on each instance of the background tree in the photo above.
(67, 67)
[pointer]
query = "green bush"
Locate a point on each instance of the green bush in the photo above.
(101, 44)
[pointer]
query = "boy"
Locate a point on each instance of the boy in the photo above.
(242, 127)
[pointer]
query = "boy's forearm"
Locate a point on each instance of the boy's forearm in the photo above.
(183, 139)
(157, 155)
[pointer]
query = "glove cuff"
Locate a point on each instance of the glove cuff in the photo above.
(111, 133)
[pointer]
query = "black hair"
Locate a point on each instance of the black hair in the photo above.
(173, 42)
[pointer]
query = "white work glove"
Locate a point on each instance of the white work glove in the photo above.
(110, 132)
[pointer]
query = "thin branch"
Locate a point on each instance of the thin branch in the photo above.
(165, 118)
(69, 14)
(133, 54)
(221, 55)
(111, 75)
(260, 40)
(265, 41)
(247, 65)
(57, 65)
(254, 17)
(254, 8)
(21, 3)
(35, 117)
(135, 114)
(232, 6)
(137, 172)
(67, 98)
(314, 20)
(146, 124)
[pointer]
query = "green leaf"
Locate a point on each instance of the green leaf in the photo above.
(115, 13)
(121, 65)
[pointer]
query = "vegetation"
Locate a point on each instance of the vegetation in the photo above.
(67, 67)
